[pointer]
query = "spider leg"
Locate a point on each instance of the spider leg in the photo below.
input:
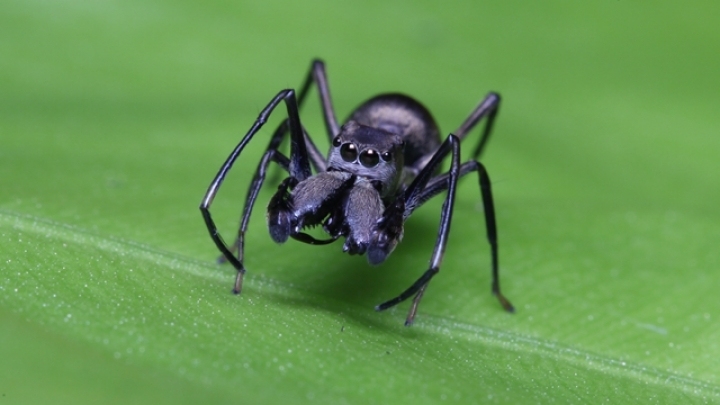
(489, 108)
(315, 75)
(439, 183)
(271, 154)
(318, 76)
(298, 166)
(412, 197)
(427, 188)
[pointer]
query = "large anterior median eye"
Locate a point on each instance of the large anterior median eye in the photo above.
(369, 158)
(348, 152)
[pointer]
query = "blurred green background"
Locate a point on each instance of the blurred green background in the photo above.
(115, 116)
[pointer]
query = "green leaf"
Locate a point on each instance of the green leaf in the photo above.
(115, 117)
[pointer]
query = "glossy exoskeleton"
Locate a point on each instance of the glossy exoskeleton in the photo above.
(384, 162)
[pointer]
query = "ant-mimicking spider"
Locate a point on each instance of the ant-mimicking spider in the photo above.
(382, 165)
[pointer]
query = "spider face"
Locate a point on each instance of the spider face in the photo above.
(370, 153)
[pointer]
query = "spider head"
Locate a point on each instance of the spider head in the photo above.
(368, 152)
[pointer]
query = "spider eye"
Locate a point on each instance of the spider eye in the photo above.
(369, 158)
(348, 152)
(386, 156)
(336, 141)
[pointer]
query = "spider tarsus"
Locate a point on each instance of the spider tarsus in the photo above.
(238, 282)
(505, 303)
(411, 315)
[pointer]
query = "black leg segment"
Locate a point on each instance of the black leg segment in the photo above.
(489, 108)
(412, 197)
(430, 187)
(298, 166)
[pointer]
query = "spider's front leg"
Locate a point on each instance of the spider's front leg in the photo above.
(425, 187)
(298, 165)
(411, 199)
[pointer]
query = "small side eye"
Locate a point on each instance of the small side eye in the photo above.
(386, 156)
(336, 141)
(348, 152)
(369, 158)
